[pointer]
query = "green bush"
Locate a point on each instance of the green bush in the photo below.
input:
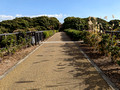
(9, 40)
(102, 43)
(49, 33)
(74, 34)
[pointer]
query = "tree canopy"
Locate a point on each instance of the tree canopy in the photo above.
(75, 23)
(82, 23)
(52, 23)
(36, 23)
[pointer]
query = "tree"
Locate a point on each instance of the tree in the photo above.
(41, 21)
(38, 23)
(54, 23)
(104, 24)
(114, 24)
(75, 23)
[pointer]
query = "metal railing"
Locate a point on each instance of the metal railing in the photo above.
(36, 36)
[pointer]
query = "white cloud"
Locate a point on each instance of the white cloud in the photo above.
(6, 17)
(51, 15)
(60, 17)
(10, 17)
(19, 15)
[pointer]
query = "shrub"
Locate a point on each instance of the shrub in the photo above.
(49, 33)
(102, 43)
(74, 34)
(9, 40)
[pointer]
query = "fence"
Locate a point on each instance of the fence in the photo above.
(12, 42)
(117, 33)
(35, 36)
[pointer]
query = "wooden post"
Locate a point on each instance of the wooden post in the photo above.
(35, 38)
(39, 37)
(42, 37)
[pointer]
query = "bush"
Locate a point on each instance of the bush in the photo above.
(102, 43)
(74, 34)
(49, 33)
(9, 44)
(9, 40)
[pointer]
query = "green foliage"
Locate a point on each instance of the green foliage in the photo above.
(24, 39)
(102, 43)
(3, 30)
(1, 54)
(82, 23)
(54, 23)
(75, 23)
(9, 44)
(104, 25)
(118, 62)
(46, 23)
(105, 43)
(9, 40)
(40, 28)
(116, 24)
(49, 33)
(117, 29)
(74, 34)
(114, 52)
(39, 23)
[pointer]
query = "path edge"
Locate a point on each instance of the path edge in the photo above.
(20, 61)
(111, 84)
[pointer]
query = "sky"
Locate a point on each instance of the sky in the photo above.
(9, 9)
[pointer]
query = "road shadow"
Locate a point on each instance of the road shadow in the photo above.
(64, 37)
(34, 89)
(90, 51)
(82, 68)
(24, 81)
(40, 61)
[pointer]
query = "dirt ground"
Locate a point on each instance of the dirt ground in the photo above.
(10, 60)
(111, 70)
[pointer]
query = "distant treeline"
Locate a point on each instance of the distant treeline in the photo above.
(82, 23)
(29, 24)
(52, 23)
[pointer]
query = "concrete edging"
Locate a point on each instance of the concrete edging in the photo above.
(20, 61)
(113, 87)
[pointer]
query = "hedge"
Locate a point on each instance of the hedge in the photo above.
(49, 33)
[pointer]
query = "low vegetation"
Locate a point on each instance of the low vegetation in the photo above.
(102, 43)
(11, 43)
(49, 33)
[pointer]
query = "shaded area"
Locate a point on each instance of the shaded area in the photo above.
(24, 81)
(64, 37)
(111, 70)
(83, 69)
(34, 89)
(40, 61)
(64, 69)
(89, 51)
(63, 84)
(40, 55)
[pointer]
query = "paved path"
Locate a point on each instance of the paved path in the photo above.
(54, 66)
